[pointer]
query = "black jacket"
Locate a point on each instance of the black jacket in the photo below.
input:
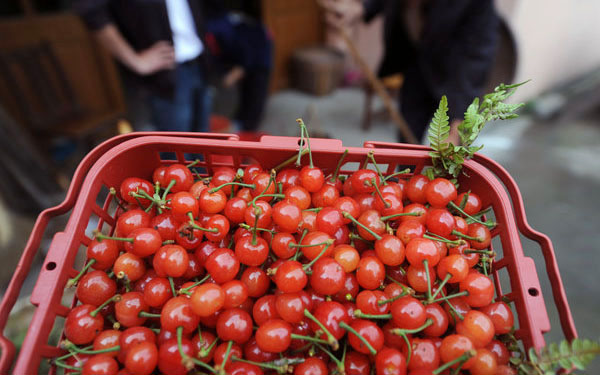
(142, 23)
(455, 53)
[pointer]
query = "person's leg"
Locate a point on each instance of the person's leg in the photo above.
(175, 114)
(416, 104)
(254, 90)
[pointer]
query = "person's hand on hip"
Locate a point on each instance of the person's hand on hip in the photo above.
(160, 56)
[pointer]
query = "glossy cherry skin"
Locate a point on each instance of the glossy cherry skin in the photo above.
(454, 265)
(157, 292)
(235, 292)
(287, 216)
(142, 358)
(327, 276)
(95, 287)
(182, 175)
(331, 313)
(166, 226)
(107, 339)
(483, 235)
(347, 256)
(234, 325)
(290, 307)
(207, 299)
(203, 343)
(265, 214)
(256, 280)
(425, 355)
(370, 272)
(274, 336)
(329, 219)
(169, 357)
(440, 221)
(372, 220)
(390, 250)
(415, 188)
(288, 178)
(105, 252)
(311, 366)
(171, 260)
(473, 204)
(362, 180)
(484, 363)
(326, 196)
(478, 327)
(500, 351)
(367, 301)
(420, 249)
(370, 331)
(100, 364)
(417, 277)
(317, 239)
(252, 251)
(128, 308)
(357, 364)
(480, 289)
(177, 312)
(290, 277)
(440, 320)
(240, 368)
(453, 346)
(408, 313)
(501, 315)
(222, 265)
(298, 196)
(311, 179)
(409, 230)
(131, 220)
(82, 328)
(390, 361)
(439, 192)
(135, 185)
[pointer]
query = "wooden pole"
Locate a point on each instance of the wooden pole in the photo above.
(380, 90)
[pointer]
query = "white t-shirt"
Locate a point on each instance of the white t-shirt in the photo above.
(187, 44)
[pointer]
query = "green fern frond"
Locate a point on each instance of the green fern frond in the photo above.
(577, 354)
(440, 127)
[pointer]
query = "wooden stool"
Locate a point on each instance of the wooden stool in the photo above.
(392, 83)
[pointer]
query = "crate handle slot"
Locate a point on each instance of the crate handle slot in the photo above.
(558, 290)
(33, 244)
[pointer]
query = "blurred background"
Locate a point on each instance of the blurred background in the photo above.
(75, 73)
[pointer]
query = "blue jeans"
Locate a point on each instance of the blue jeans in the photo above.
(189, 109)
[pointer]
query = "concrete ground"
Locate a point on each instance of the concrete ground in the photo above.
(554, 164)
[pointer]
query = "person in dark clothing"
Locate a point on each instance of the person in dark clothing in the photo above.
(160, 45)
(241, 45)
(443, 47)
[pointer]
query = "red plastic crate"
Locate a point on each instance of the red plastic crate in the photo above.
(138, 154)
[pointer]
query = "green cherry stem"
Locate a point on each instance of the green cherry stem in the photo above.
(364, 341)
(384, 218)
(99, 236)
(215, 189)
(339, 364)
(463, 358)
(360, 315)
(172, 285)
(445, 298)
(400, 331)
(308, 265)
(462, 235)
(65, 366)
(309, 338)
(113, 192)
(314, 209)
(226, 357)
(374, 184)
(451, 306)
(74, 349)
(403, 294)
(464, 200)
(453, 205)
(405, 171)
(145, 314)
(435, 237)
(426, 265)
(187, 289)
(440, 286)
(253, 201)
(187, 361)
(408, 347)
(303, 126)
(115, 298)
(204, 352)
(298, 252)
(347, 215)
(371, 156)
(195, 226)
(248, 227)
(266, 365)
(168, 188)
(289, 161)
(190, 165)
(74, 280)
(335, 174)
(484, 252)
(331, 340)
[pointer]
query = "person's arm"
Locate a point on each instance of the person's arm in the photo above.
(97, 17)
(159, 56)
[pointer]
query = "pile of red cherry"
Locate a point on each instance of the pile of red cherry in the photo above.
(255, 271)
